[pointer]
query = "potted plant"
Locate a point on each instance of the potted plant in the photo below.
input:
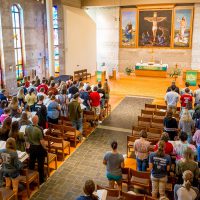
(128, 70)
(175, 72)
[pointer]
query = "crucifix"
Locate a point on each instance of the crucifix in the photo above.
(155, 20)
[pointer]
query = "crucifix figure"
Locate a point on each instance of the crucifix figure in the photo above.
(155, 20)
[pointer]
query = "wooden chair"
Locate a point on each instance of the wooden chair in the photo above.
(157, 123)
(161, 107)
(137, 129)
(71, 133)
(65, 121)
(28, 176)
(154, 135)
(56, 130)
(144, 121)
(159, 115)
(147, 113)
(155, 130)
(149, 198)
(111, 192)
(125, 175)
(141, 179)
(90, 116)
(129, 196)
(150, 107)
(48, 160)
(176, 115)
(7, 194)
(130, 142)
(58, 145)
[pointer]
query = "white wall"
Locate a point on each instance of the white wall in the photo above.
(80, 40)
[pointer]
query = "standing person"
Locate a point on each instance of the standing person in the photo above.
(14, 107)
(171, 99)
(41, 112)
(186, 98)
(106, 88)
(86, 98)
(182, 145)
(75, 113)
(73, 89)
(53, 89)
(187, 85)
(101, 91)
(42, 92)
(186, 191)
(168, 146)
(197, 96)
(114, 162)
(24, 121)
(196, 139)
(187, 163)
(172, 85)
(21, 97)
(141, 147)
(43, 85)
(5, 115)
(3, 96)
(88, 189)
(159, 164)
(31, 99)
(37, 149)
(53, 111)
(3, 105)
(5, 129)
(170, 125)
(95, 101)
(63, 101)
(18, 136)
(10, 165)
(186, 124)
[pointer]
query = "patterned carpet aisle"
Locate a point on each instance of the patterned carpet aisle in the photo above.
(86, 162)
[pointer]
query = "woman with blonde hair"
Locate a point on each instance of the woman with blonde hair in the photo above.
(10, 164)
(187, 163)
(186, 124)
(186, 191)
(14, 108)
(159, 164)
(21, 97)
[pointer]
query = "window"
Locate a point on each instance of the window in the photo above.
(56, 40)
(17, 37)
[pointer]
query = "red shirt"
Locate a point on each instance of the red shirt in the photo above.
(185, 98)
(95, 99)
(43, 86)
(168, 148)
(27, 84)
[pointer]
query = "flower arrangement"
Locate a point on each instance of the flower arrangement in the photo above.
(175, 72)
(128, 70)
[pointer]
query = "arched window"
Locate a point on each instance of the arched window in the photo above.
(17, 37)
(56, 40)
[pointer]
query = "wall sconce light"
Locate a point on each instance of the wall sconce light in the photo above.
(10, 68)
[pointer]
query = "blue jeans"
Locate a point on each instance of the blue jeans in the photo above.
(189, 140)
(142, 164)
(78, 124)
(198, 153)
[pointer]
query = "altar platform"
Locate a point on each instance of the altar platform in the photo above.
(151, 70)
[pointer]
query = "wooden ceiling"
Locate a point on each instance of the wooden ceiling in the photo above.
(100, 3)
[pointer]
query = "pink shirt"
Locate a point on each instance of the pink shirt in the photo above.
(196, 137)
(3, 117)
(141, 148)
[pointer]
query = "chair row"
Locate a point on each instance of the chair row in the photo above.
(115, 194)
(155, 107)
(150, 122)
(157, 114)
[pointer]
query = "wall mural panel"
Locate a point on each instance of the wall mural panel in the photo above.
(128, 27)
(183, 21)
(154, 29)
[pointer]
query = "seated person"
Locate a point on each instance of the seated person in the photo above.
(5, 129)
(186, 191)
(5, 115)
(88, 189)
(24, 120)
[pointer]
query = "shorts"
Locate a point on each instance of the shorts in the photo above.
(113, 177)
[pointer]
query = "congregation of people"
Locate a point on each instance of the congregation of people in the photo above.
(175, 157)
(26, 116)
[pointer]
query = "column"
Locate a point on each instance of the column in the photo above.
(196, 39)
(49, 11)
